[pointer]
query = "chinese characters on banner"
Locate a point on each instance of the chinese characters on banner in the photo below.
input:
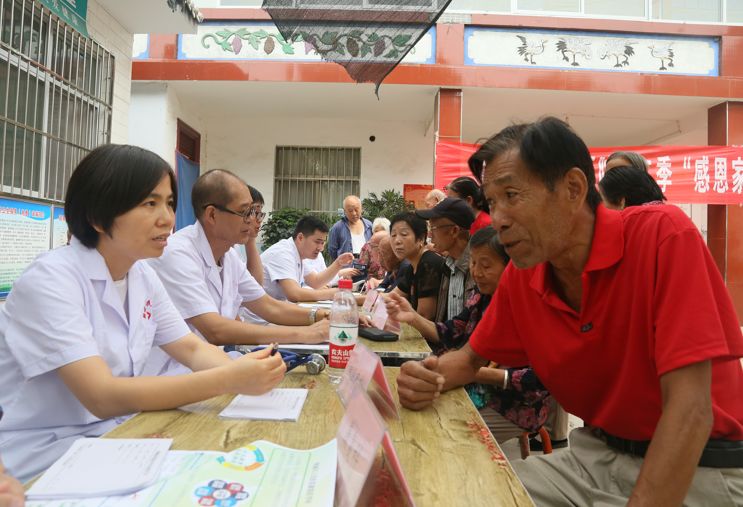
(686, 174)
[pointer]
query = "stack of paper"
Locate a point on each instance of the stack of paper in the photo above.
(276, 405)
(94, 467)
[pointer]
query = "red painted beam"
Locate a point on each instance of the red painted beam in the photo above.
(443, 75)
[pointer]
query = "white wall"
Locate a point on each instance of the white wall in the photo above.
(114, 38)
(153, 119)
(402, 153)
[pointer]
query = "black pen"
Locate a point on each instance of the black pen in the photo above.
(274, 349)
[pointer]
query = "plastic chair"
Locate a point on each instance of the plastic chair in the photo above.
(524, 442)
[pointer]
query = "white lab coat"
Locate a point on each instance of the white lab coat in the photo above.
(193, 280)
(281, 262)
(64, 308)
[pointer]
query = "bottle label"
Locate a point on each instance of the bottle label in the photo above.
(342, 342)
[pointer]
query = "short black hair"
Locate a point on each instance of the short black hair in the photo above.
(634, 159)
(487, 236)
(308, 225)
(212, 187)
(256, 195)
(419, 226)
(548, 147)
(467, 187)
(632, 184)
(111, 180)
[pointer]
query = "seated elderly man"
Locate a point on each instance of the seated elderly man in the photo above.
(208, 281)
(625, 319)
(449, 226)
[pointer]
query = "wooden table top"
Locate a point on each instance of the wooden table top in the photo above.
(447, 457)
(411, 345)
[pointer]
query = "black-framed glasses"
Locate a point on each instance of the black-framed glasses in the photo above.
(245, 215)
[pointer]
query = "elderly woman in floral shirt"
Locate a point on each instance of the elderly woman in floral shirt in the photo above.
(524, 402)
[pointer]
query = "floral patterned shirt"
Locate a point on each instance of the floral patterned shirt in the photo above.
(373, 268)
(525, 401)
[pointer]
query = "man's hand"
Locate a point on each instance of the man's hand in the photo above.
(348, 273)
(316, 333)
(255, 373)
(419, 384)
(343, 260)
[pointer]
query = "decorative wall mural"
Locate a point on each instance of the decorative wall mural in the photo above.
(618, 52)
(263, 41)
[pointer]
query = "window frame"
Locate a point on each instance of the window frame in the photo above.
(283, 174)
(75, 76)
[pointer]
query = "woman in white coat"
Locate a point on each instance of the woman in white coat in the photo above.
(81, 320)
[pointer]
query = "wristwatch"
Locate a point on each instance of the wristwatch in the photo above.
(313, 315)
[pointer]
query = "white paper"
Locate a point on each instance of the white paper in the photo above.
(102, 467)
(176, 462)
(276, 405)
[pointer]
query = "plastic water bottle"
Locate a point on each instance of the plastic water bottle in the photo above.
(344, 330)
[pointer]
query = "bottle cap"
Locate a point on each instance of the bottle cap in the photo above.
(345, 284)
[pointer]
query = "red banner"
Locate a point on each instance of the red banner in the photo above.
(686, 174)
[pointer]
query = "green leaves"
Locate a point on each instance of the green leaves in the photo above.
(388, 204)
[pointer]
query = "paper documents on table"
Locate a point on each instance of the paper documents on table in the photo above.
(259, 474)
(94, 467)
(276, 405)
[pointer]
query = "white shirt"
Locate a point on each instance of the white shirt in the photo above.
(64, 308)
(281, 262)
(197, 285)
(317, 265)
(357, 242)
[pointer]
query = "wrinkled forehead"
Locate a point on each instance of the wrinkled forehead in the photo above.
(506, 169)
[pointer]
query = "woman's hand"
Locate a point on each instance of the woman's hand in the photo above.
(399, 308)
(255, 373)
(11, 491)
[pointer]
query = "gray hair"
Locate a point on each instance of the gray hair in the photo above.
(382, 222)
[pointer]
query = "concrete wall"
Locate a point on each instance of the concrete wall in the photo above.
(402, 152)
(153, 118)
(105, 30)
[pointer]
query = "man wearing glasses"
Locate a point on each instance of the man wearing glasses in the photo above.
(449, 223)
(208, 281)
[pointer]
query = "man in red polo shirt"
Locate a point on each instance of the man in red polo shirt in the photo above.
(625, 319)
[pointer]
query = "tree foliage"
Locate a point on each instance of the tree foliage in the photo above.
(387, 204)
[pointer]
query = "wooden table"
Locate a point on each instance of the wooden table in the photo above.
(411, 345)
(446, 459)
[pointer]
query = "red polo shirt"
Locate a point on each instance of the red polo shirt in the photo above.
(653, 301)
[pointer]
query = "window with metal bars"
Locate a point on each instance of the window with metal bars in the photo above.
(317, 179)
(56, 95)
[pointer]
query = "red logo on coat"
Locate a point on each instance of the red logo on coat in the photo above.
(147, 314)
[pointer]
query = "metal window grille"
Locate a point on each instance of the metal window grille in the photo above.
(56, 93)
(317, 179)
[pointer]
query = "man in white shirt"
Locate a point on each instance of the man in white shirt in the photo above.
(282, 263)
(208, 282)
(318, 275)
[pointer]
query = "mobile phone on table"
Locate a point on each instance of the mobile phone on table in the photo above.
(377, 335)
